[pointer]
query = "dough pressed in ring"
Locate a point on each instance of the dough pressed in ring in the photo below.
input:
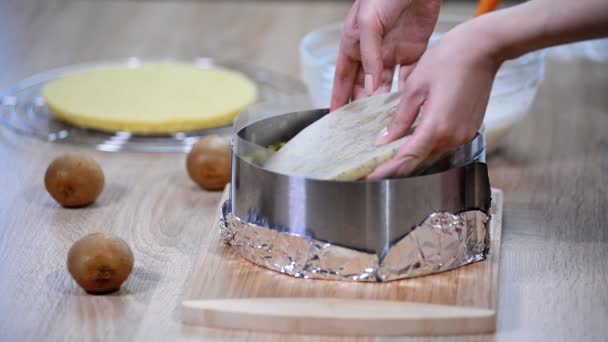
(159, 98)
(341, 145)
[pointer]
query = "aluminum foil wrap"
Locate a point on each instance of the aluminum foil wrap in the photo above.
(443, 241)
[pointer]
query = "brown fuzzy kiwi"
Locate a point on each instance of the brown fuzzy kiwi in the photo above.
(208, 162)
(74, 180)
(100, 262)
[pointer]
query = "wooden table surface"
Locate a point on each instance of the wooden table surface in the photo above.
(553, 170)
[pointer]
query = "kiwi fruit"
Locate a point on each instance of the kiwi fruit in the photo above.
(74, 180)
(100, 262)
(208, 163)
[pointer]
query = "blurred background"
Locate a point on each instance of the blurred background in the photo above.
(292, 38)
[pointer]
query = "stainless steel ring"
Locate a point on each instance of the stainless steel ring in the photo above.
(367, 216)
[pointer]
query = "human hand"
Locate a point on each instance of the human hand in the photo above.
(451, 83)
(449, 88)
(377, 36)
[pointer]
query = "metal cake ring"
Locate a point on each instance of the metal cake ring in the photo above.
(364, 230)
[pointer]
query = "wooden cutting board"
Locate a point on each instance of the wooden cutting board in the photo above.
(227, 291)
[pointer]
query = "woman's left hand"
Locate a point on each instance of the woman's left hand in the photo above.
(449, 88)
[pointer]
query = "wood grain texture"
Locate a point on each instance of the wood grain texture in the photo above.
(553, 170)
(220, 273)
(338, 317)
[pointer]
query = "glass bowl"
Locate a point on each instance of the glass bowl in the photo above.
(513, 91)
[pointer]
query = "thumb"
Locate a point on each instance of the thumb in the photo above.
(371, 33)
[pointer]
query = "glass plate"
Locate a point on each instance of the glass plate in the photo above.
(23, 111)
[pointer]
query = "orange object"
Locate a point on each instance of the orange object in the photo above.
(486, 6)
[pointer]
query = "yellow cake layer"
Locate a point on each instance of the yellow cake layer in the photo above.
(150, 99)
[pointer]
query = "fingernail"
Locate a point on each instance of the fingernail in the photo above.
(382, 137)
(406, 168)
(372, 176)
(375, 175)
(368, 83)
(408, 165)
